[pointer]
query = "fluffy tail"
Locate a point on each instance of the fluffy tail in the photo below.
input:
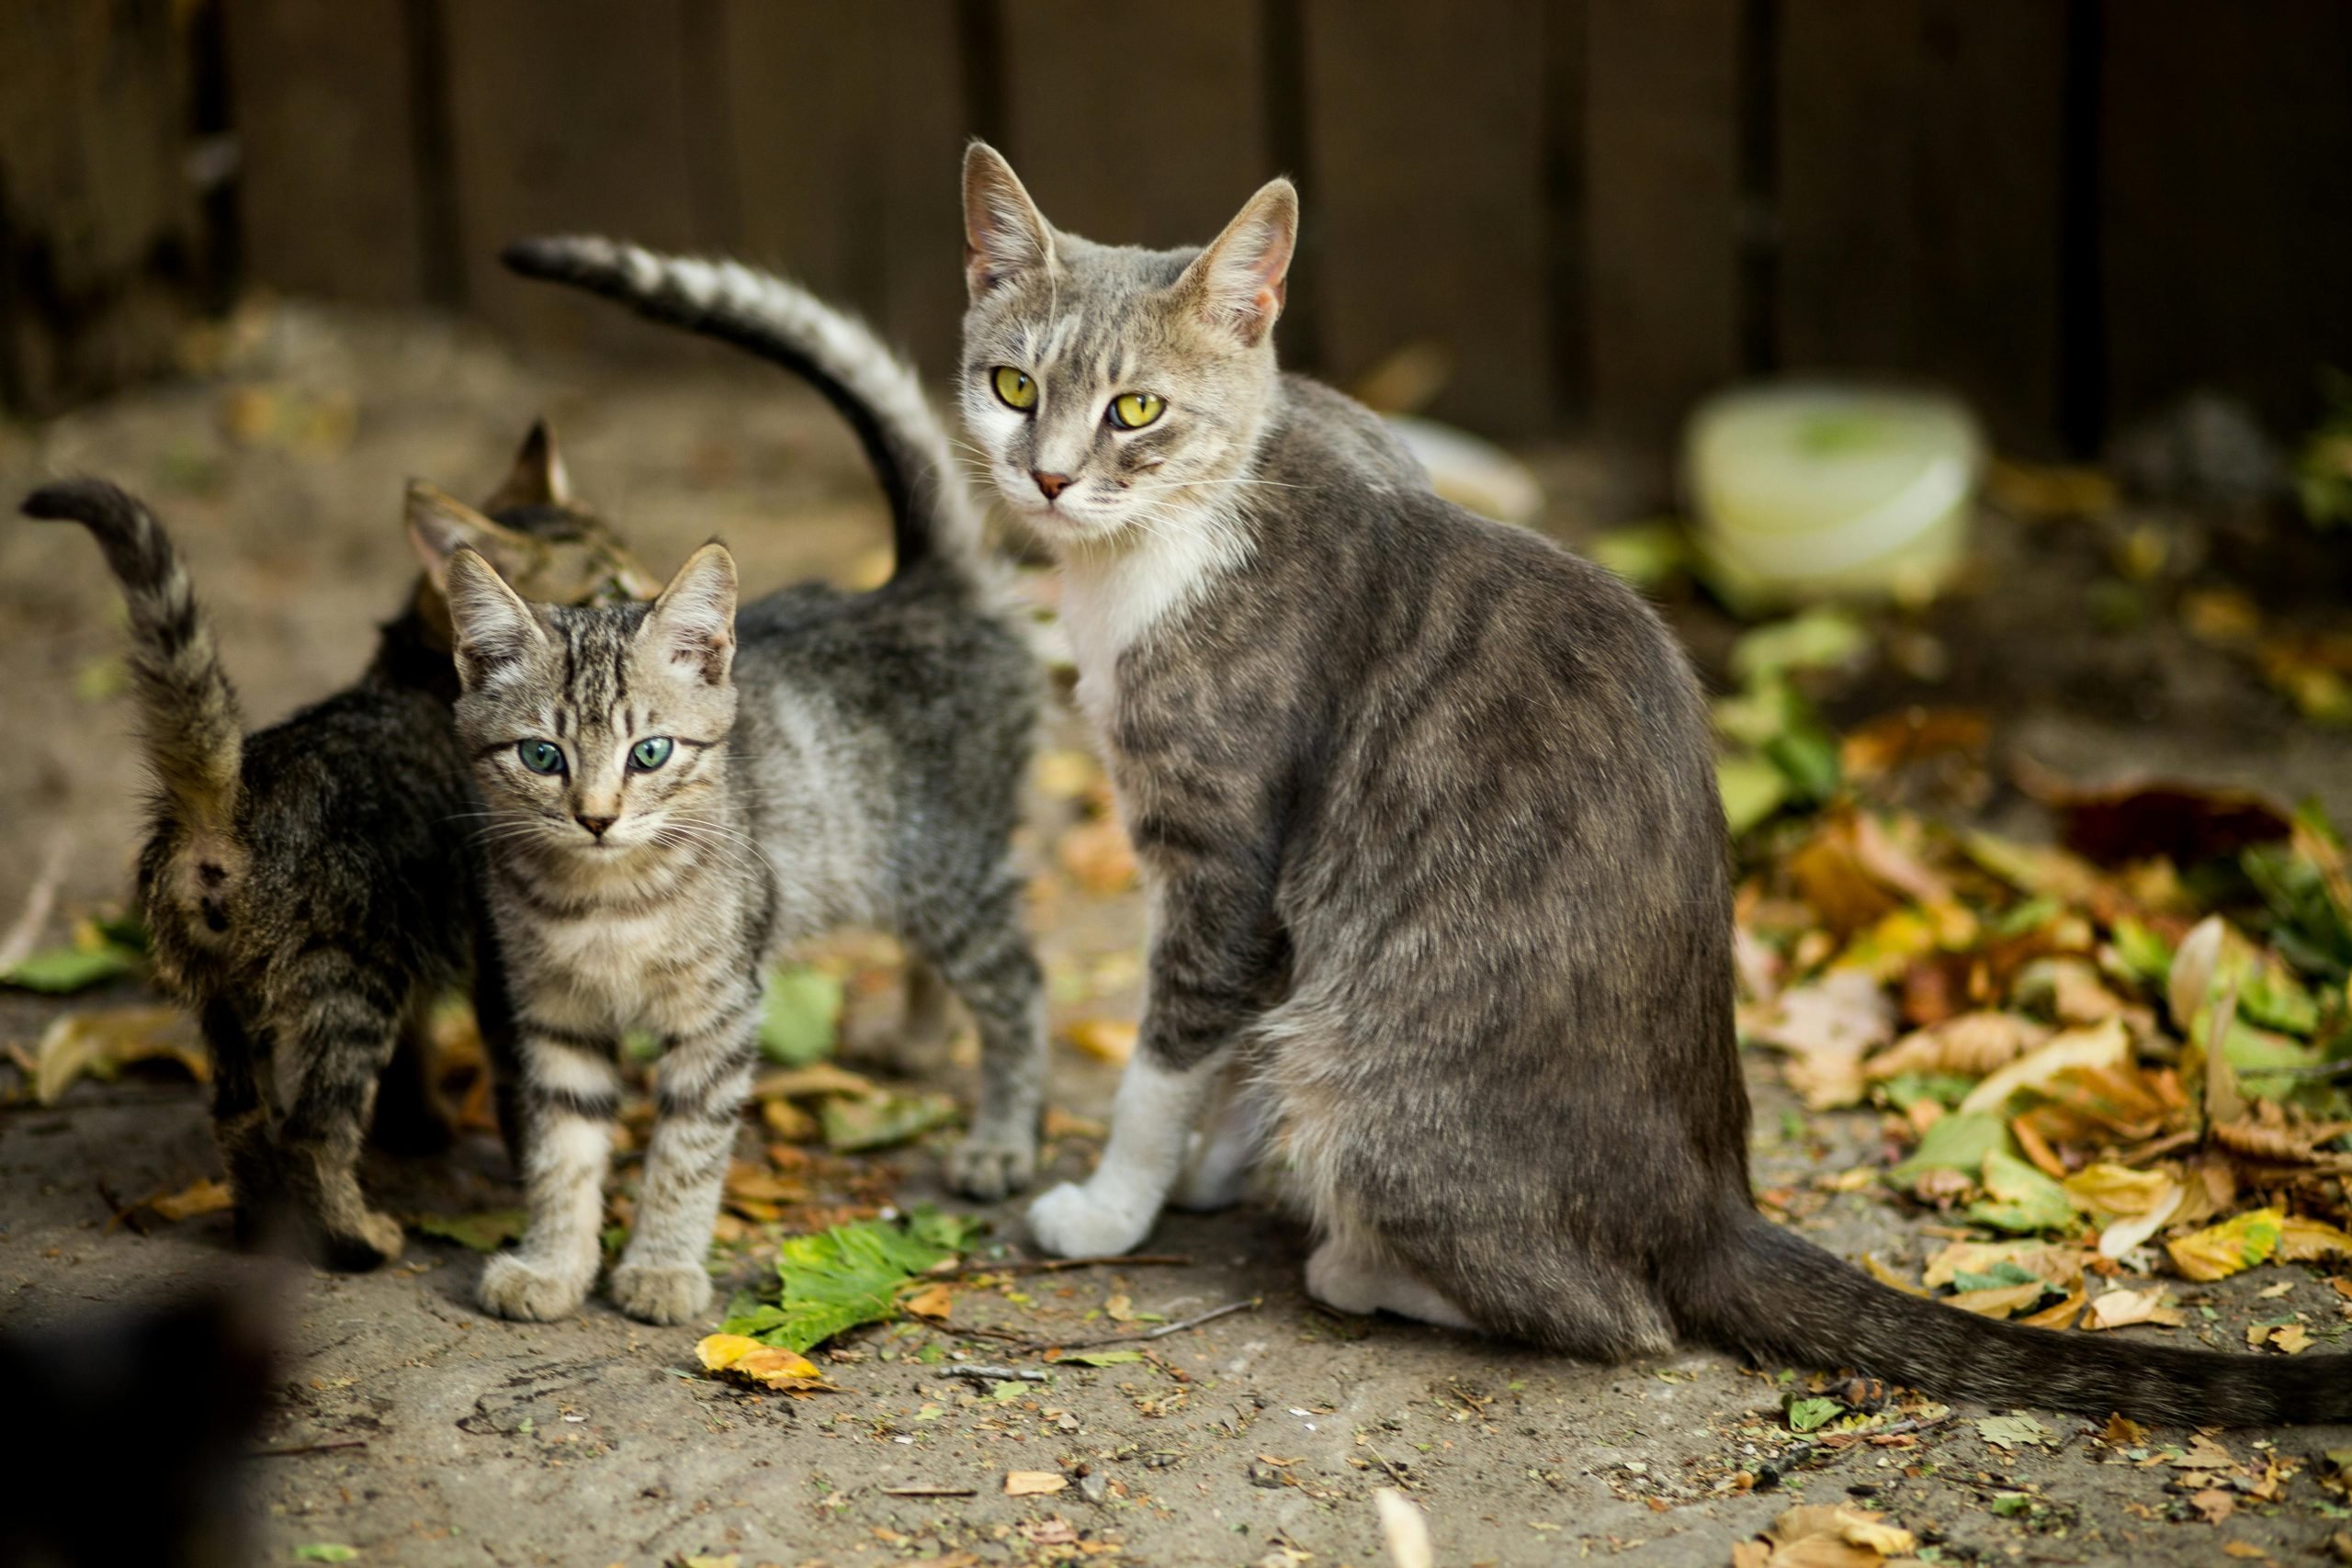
(188, 710)
(839, 355)
(1776, 1296)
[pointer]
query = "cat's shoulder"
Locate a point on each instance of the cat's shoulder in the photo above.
(1325, 437)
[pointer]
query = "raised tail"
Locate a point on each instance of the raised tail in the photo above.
(188, 711)
(877, 392)
(1774, 1295)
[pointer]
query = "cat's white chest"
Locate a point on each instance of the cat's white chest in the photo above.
(1111, 601)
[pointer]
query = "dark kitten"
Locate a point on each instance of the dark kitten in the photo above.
(310, 889)
(1443, 908)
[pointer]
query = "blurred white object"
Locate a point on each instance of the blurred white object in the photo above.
(1470, 472)
(1813, 491)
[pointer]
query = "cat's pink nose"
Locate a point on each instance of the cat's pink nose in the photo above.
(1052, 484)
(595, 825)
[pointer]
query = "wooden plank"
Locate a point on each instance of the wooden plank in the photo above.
(848, 181)
(1919, 148)
(1137, 125)
(572, 115)
(321, 100)
(1427, 198)
(2226, 168)
(1662, 204)
(100, 248)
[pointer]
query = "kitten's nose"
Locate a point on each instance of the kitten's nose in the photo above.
(1052, 484)
(595, 825)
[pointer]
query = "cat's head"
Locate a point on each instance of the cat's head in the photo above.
(600, 729)
(550, 546)
(1111, 387)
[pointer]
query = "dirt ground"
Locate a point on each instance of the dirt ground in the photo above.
(415, 1430)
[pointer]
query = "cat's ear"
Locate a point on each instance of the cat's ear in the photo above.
(1004, 234)
(536, 479)
(693, 621)
(1238, 282)
(439, 525)
(493, 627)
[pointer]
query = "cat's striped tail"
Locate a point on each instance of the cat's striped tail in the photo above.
(188, 711)
(932, 514)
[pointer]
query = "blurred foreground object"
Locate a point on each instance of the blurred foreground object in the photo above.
(183, 1384)
(1813, 491)
(1470, 472)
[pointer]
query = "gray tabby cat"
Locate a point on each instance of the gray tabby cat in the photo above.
(1442, 901)
(310, 889)
(680, 791)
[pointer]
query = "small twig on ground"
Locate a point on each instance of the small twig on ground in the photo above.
(1056, 1265)
(1025, 1374)
(124, 1214)
(1161, 1332)
(922, 1491)
(309, 1448)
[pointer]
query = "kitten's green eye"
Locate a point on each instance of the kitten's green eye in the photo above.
(649, 753)
(1015, 388)
(540, 756)
(1133, 411)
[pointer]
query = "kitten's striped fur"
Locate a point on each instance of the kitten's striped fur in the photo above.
(835, 758)
(310, 889)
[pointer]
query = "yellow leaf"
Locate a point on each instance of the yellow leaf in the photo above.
(2062, 1315)
(1999, 1301)
(2301, 1241)
(814, 1082)
(2103, 1044)
(2121, 1309)
(1066, 776)
(1032, 1482)
(2235, 1244)
(99, 1043)
(205, 1197)
(1109, 1040)
(719, 1351)
(2111, 1191)
(1970, 1043)
(1098, 856)
(2122, 1432)
(1838, 1525)
(1119, 1309)
(1886, 1275)
(2060, 1266)
(934, 1301)
(789, 1121)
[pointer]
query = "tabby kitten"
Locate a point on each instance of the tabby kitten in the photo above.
(678, 791)
(310, 888)
(1442, 902)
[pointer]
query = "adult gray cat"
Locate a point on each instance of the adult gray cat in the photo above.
(678, 791)
(1442, 903)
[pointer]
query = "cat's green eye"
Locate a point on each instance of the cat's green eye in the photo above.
(1133, 411)
(540, 756)
(649, 753)
(1015, 388)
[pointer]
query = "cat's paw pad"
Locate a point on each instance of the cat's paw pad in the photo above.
(661, 1292)
(1072, 1221)
(992, 1167)
(513, 1288)
(370, 1241)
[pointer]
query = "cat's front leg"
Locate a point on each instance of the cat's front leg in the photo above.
(706, 1073)
(571, 1096)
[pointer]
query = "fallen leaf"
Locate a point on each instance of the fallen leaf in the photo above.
(740, 1356)
(812, 1082)
(934, 1301)
(204, 1196)
(59, 970)
(1034, 1483)
(2185, 824)
(2121, 1309)
(1839, 1525)
(2107, 1045)
(2122, 1432)
(1910, 734)
(101, 1044)
(2020, 1199)
(848, 1275)
(2057, 1265)
(1969, 1044)
(2205, 1452)
(1066, 776)
(2235, 1244)
(853, 1126)
(2013, 1432)
(2214, 1504)
(325, 1551)
(2000, 1301)
(1099, 857)
(1957, 1142)
(1888, 1276)
(1111, 1040)
(1826, 1027)
(485, 1231)
(2305, 1241)
(2060, 1316)
(789, 1121)
(800, 1018)
(1405, 1529)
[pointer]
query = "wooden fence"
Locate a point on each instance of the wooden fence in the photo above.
(2071, 210)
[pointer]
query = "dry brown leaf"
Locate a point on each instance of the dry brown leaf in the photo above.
(789, 1121)
(1826, 1027)
(2205, 1452)
(101, 1042)
(740, 1356)
(1111, 1040)
(2060, 1316)
(934, 1301)
(813, 1082)
(1971, 1045)
(1911, 735)
(1066, 776)
(1099, 857)
(2270, 1134)
(1823, 1526)
(2214, 1504)
(2067, 989)
(1888, 1276)
(2058, 1265)
(1999, 1301)
(2101, 1045)
(2306, 1241)
(2121, 1309)
(205, 1197)
(2122, 1432)
(1034, 1483)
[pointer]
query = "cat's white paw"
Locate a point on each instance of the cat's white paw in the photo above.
(992, 1167)
(1072, 1221)
(512, 1288)
(661, 1292)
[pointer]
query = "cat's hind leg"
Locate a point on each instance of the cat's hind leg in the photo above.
(1348, 1277)
(240, 1126)
(700, 1087)
(342, 1021)
(1224, 1153)
(984, 956)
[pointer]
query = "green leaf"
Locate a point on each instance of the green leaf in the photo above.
(485, 1231)
(1101, 1357)
(2145, 956)
(1646, 554)
(848, 1275)
(1958, 1142)
(2020, 1199)
(61, 970)
(1810, 1414)
(2002, 1273)
(803, 1016)
(1818, 640)
(325, 1551)
(1807, 757)
(880, 1120)
(1906, 1089)
(1752, 790)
